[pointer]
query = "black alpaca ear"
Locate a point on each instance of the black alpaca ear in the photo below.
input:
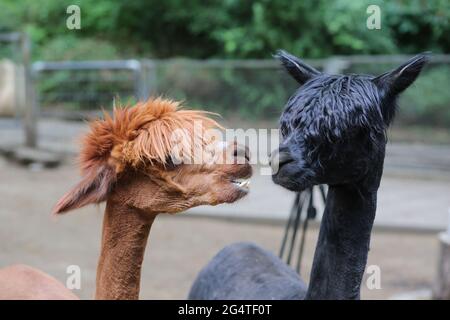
(299, 70)
(396, 81)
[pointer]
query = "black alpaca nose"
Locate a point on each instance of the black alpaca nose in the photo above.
(278, 158)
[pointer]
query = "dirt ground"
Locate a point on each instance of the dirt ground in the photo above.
(179, 245)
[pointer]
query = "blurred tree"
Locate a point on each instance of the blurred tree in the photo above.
(232, 28)
(244, 29)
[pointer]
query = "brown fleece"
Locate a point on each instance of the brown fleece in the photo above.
(125, 233)
(21, 282)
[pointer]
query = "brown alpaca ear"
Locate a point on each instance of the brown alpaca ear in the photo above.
(93, 188)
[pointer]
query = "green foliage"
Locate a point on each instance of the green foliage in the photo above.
(234, 28)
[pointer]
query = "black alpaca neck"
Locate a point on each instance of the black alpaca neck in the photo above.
(344, 239)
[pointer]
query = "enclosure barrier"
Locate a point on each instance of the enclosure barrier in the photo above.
(250, 88)
(88, 83)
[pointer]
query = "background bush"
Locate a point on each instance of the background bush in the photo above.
(429, 102)
(232, 28)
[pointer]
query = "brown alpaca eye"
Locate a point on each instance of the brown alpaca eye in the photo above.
(169, 164)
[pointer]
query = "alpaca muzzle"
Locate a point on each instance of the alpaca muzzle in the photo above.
(279, 158)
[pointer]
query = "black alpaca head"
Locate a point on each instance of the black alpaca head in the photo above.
(333, 128)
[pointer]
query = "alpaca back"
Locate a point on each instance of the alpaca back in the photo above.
(245, 271)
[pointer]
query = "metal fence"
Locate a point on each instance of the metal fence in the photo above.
(77, 88)
(245, 89)
(74, 89)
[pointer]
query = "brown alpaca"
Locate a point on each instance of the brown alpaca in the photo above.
(21, 282)
(127, 160)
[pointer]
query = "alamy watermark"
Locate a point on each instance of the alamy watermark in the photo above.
(214, 146)
(73, 21)
(373, 281)
(73, 281)
(373, 21)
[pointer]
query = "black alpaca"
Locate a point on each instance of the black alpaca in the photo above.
(333, 132)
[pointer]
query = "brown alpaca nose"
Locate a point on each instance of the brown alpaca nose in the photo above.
(241, 151)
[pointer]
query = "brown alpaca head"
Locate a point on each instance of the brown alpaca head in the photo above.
(130, 158)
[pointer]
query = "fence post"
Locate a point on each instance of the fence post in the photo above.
(149, 83)
(30, 116)
(442, 283)
(136, 66)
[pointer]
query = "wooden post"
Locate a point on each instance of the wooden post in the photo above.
(441, 288)
(149, 83)
(30, 114)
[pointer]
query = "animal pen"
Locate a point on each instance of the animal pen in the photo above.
(253, 90)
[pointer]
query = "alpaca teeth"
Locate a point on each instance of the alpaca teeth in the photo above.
(242, 183)
(245, 183)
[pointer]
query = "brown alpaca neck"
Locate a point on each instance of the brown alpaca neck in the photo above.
(125, 233)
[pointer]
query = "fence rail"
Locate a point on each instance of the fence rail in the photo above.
(91, 84)
(250, 89)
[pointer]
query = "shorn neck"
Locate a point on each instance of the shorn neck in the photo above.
(124, 238)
